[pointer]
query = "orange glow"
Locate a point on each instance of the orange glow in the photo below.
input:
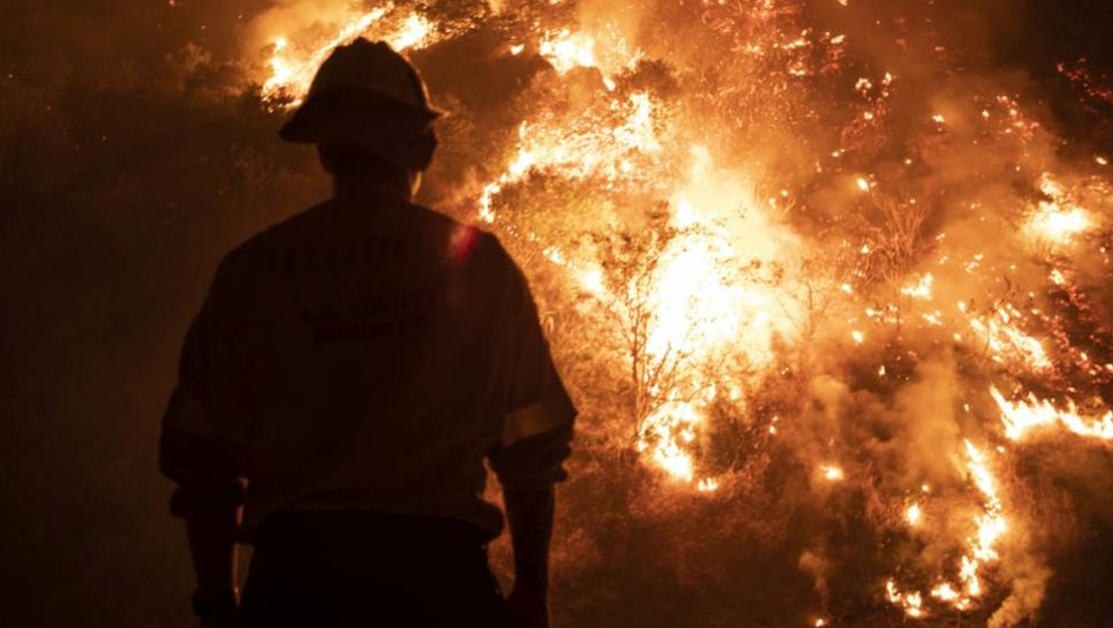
(297, 51)
(913, 514)
(835, 283)
(1022, 417)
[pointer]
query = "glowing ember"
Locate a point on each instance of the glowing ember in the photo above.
(912, 515)
(707, 485)
(945, 593)
(921, 289)
(912, 603)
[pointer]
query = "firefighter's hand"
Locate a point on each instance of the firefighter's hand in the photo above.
(529, 607)
(217, 609)
(222, 620)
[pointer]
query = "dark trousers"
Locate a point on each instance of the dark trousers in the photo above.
(357, 570)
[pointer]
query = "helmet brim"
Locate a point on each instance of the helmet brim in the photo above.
(356, 116)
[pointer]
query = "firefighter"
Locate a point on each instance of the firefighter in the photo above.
(350, 371)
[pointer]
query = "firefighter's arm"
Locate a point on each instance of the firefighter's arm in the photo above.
(531, 528)
(194, 451)
(528, 470)
(528, 459)
(213, 547)
(208, 498)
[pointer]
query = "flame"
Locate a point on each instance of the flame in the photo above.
(912, 603)
(981, 547)
(1022, 417)
(699, 304)
(693, 301)
(295, 55)
(1058, 221)
(667, 434)
(606, 49)
(580, 147)
(566, 50)
(708, 485)
(991, 524)
(913, 514)
(921, 289)
(700, 300)
(1058, 224)
(414, 32)
(1006, 342)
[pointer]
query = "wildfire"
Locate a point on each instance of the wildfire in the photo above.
(921, 289)
(991, 526)
(1058, 224)
(692, 289)
(1058, 220)
(667, 434)
(1021, 417)
(566, 50)
(698, 303)
(581, 147)
(738, 281)
(708, 485)
(1006, 342)
(294, 57)
(292, 70)
(981, 546)
(414, 32)
(912, 603)
(913, 514)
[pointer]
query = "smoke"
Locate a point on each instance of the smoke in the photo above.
(818, 569)
(1029, 577)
